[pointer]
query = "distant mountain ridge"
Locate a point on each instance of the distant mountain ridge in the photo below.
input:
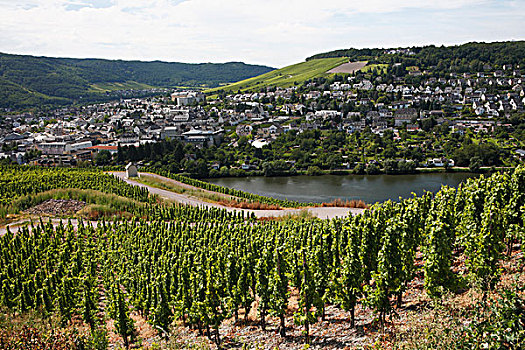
(27, 81)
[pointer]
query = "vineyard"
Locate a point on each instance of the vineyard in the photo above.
(200, 267)
(19, 181)
(23, 187)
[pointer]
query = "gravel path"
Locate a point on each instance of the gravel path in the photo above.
(320, 212)
(17, 225)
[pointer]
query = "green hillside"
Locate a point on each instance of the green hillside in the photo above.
(28, 81)
(456, 57)
(287, 76)
(127, 85)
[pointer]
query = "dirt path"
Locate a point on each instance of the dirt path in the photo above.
(320, 212)
(17, 225)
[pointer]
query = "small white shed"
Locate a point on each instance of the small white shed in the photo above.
(131, 170)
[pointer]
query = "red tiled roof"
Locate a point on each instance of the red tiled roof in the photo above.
(109, 148)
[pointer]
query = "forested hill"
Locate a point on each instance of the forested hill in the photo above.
(27, 81)
(466, 56)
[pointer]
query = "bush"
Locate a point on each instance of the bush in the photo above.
(214, 173)
(499, 323)
(373, 169)
(405, 167)
(475, 164)
(360, 169)
(314, 170)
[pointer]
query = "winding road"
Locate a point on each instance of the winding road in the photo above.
(320, 212)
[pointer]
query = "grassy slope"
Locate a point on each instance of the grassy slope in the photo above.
(12, 94)
(286, 76)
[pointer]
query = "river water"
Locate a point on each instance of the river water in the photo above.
(325, 188)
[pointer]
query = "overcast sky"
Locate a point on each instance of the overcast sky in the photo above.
(269, 32)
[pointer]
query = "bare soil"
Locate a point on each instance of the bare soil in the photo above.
(57, 207)
(349, 67)
(417, 314)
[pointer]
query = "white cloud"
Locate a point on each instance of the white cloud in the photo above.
(273, 32)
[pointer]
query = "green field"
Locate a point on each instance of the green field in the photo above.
(128, 85)
(287, 76)
(381, 68)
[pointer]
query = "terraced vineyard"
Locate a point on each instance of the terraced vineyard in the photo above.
(200, 270)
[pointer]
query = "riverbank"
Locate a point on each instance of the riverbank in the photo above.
(326, 188)
(318, 172)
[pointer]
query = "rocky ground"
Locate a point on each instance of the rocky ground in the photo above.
(56, 207)
(417, 321)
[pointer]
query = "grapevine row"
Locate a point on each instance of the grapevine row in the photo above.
(207, 270)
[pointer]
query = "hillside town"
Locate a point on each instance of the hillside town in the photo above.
(477, 103)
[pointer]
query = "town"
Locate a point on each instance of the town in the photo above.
(384, 116)
(268, 175)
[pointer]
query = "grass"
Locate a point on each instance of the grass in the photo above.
(182, 189)
(340, 203)
(204, 195)
(302, 215)
(98, 211)
(99, 203)
(381, 68)
(287, 76)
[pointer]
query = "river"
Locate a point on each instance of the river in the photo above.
(325, 188)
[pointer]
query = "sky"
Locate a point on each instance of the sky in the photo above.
(269, 32)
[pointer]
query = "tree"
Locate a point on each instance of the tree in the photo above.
(390, 166)
(359, 169)
(373, 169)
(475, 164)
(313, 171)
(103, 158)
(275, 168)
